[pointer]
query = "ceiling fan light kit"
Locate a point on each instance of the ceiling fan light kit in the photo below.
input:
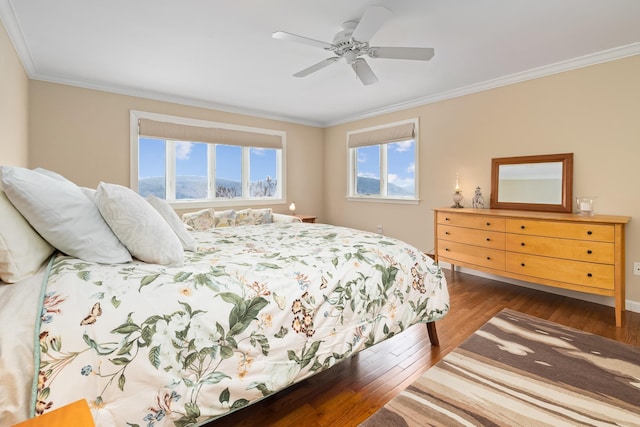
(352, 44)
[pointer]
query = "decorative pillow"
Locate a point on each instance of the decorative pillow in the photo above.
(172, 218)
(243, 217)
(59, 211)
(22, 250)
(200, 220)
(225, 218)
(138, 225)
(261, 216)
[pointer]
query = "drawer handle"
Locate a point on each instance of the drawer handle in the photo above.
(589, 251)
(446, 233)
(589, 232)
(488, 258)
(522, 264)
(488, 224)
(589, 275)
(522, 227)
(488, 239)
(522, 244)
(446, 219)
(446, 249)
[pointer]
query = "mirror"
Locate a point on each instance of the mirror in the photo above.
(537, 183)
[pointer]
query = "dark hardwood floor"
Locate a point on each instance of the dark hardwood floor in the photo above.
(349, 392)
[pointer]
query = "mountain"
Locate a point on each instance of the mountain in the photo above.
(372, 186)
(195, 187)
(187, 187)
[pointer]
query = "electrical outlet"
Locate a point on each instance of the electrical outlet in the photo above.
(379, 229)
(636, 268)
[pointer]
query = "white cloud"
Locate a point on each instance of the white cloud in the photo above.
(403, 145)
(368, 175)
(411, 168)
(183, 150)
(407, 183)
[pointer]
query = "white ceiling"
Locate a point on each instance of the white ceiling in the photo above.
(220, 53)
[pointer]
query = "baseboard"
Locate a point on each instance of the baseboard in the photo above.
(598, 299)
(632, 306)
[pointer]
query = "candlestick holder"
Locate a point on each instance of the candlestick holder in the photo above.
(585, 205)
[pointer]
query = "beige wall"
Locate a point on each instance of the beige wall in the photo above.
(14, 89)
(83, 134)
(593, 112)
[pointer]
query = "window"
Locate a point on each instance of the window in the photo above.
(382, 162)
(196, 163)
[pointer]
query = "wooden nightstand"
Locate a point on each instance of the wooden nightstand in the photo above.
(307, 218)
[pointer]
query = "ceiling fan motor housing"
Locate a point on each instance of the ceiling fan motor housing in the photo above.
(345, 46)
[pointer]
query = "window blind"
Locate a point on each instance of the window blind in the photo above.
(402, 132)
(180, 132)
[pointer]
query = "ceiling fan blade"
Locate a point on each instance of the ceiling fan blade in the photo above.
(370, 22)
(283, 35)
(364, 72)
(319, 66)
(414, 53)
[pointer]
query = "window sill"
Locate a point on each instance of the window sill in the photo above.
(383, 200)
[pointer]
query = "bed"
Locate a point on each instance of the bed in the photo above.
(249, 310)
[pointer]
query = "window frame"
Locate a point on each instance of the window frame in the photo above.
(352, 167)
(280, 198)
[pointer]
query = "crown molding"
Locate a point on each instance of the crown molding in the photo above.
(163, 97)
(11, 24)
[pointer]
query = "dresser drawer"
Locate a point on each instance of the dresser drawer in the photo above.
(575, 272)
(578, 250)
(486, 257)
(472, 221)
(487, 239)
(568, 230)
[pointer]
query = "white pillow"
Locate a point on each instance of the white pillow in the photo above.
(138, 225)
(22, 250)
(282, 218)
(89, 192)
(51, 174)
(59, 211)
(172, 218)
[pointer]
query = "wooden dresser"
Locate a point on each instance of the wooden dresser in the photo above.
(576, 252)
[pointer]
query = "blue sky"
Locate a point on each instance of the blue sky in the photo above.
(191, 159)
(400, 163)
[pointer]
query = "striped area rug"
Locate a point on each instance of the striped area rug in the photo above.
(519, 370)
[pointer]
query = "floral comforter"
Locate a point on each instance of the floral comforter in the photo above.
(254, 309)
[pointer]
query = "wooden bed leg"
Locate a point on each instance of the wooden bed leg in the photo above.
(433, 334)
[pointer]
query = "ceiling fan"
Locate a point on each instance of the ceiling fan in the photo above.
(352, 44)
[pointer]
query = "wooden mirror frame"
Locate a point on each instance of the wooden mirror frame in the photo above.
(567, 183)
